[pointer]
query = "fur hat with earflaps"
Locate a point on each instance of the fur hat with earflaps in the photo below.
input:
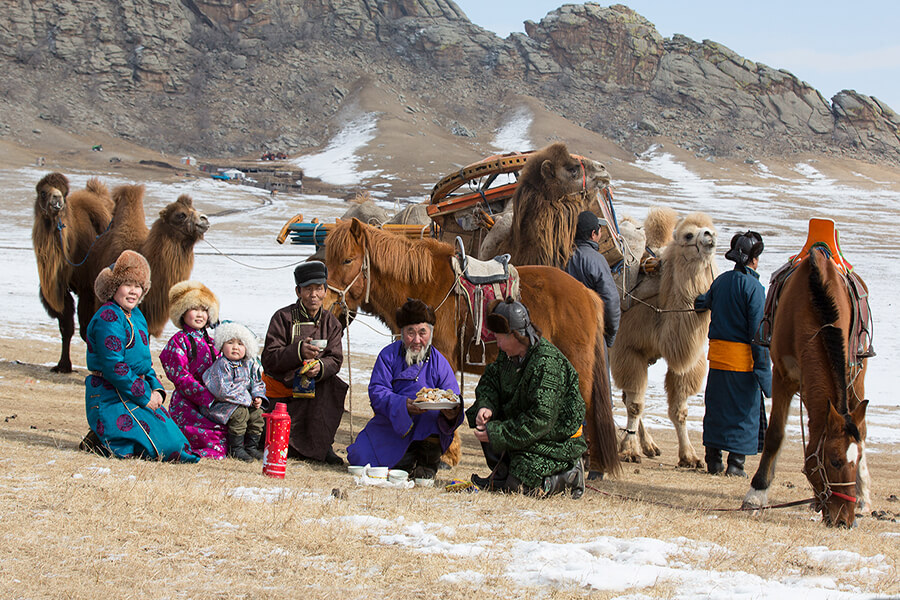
(185, 295)
(414, 311)
(129, 267)
(229, 330)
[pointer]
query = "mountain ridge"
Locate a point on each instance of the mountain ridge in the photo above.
(224, 77)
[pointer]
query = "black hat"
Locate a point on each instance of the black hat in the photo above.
(509, 316)
(745, 247)
(310, 273)
(588, 223)
(413, 312)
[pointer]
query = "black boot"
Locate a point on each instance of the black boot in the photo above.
(735, 465)
(572, 479)
(511, 484)
(714, 464)
(236, 448)
(251, 446)
(333, 459)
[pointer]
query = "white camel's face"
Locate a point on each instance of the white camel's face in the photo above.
(700, 238)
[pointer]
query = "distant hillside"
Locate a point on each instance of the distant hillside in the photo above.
(220, 77)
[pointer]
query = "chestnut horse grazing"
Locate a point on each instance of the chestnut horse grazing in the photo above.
(811, 335)
(377, 271)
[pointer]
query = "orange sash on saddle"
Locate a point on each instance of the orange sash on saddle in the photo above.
(730, 356)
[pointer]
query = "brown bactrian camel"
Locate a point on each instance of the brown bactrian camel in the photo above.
(66, 228)
(676, 334)
(553, 188)
(168, 246)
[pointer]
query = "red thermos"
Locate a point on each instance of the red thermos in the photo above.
(278, 431)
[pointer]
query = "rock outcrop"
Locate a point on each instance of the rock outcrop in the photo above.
(233, 76)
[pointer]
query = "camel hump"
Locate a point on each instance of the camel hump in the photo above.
(660, 225)
(54, 180)
(95, 186)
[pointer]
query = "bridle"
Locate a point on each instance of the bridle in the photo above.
(826, 492)
(364, 273)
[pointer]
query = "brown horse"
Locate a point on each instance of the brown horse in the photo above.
(810, 341)
(378, 271)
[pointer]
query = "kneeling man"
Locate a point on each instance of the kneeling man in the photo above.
(528, 411)
(402, 435)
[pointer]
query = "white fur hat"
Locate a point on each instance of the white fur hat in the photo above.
(229, 330)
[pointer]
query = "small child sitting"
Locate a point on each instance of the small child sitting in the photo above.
(236, 382)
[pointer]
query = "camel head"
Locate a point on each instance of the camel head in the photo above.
(557, 173)
(694, 239)
(183, 220)
(52, 191)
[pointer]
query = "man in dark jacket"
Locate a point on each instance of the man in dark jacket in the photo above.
(589, 267)
(302, 374)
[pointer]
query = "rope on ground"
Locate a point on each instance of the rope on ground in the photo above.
(697, 508)
(293, 264)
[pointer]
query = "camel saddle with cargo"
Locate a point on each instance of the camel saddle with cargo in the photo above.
(480, 282)
(823, 234)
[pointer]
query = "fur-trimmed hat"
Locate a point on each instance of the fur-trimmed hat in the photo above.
(185, 295)
(310, 273)
(414, 311)
(229, 330)
(129, 267)
(509, 316)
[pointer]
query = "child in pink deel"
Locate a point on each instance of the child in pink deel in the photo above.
(235, 379)
(187, 355)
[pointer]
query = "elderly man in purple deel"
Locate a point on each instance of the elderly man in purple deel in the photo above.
(402, 435)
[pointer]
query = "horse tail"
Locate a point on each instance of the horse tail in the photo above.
(826, 308)
(603, 444)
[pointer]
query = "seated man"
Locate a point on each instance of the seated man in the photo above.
(528, 411)
(402, 435)
(301, 374)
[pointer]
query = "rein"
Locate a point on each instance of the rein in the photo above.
(363, 272)
(697, 509)
(60, 226)
(819, 468)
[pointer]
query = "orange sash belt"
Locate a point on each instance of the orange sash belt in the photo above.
(730, 356)
(276, 389)
(578, 433)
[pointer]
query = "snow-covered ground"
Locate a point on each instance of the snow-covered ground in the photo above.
(253, 278)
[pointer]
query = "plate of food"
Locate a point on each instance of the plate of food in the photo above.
(436, 399)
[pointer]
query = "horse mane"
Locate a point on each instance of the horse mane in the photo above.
(826, 308)
(398, 257)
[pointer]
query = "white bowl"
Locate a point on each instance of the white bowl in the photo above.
(397, 475)
(377, 472)
(356, 470)
(424, 482)
(320, 344)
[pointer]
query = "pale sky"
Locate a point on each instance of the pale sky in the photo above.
(832, 45)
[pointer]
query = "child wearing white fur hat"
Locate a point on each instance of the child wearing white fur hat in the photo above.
(236, 382)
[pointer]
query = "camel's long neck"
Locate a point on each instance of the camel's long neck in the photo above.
(683, 280)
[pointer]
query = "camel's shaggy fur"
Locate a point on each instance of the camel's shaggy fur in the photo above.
(687, 268)
(65, 228)
(553, 188)
(168, 246)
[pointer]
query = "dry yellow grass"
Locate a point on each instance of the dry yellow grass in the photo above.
(74, 525)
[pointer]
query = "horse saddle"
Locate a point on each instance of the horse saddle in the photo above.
(480, 283)
(861, 322)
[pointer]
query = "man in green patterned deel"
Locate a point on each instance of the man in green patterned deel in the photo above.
(528, 411)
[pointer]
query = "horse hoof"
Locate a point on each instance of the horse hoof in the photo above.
(61, 369)
(595, 475)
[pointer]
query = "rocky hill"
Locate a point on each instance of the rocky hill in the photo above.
(234, 77)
